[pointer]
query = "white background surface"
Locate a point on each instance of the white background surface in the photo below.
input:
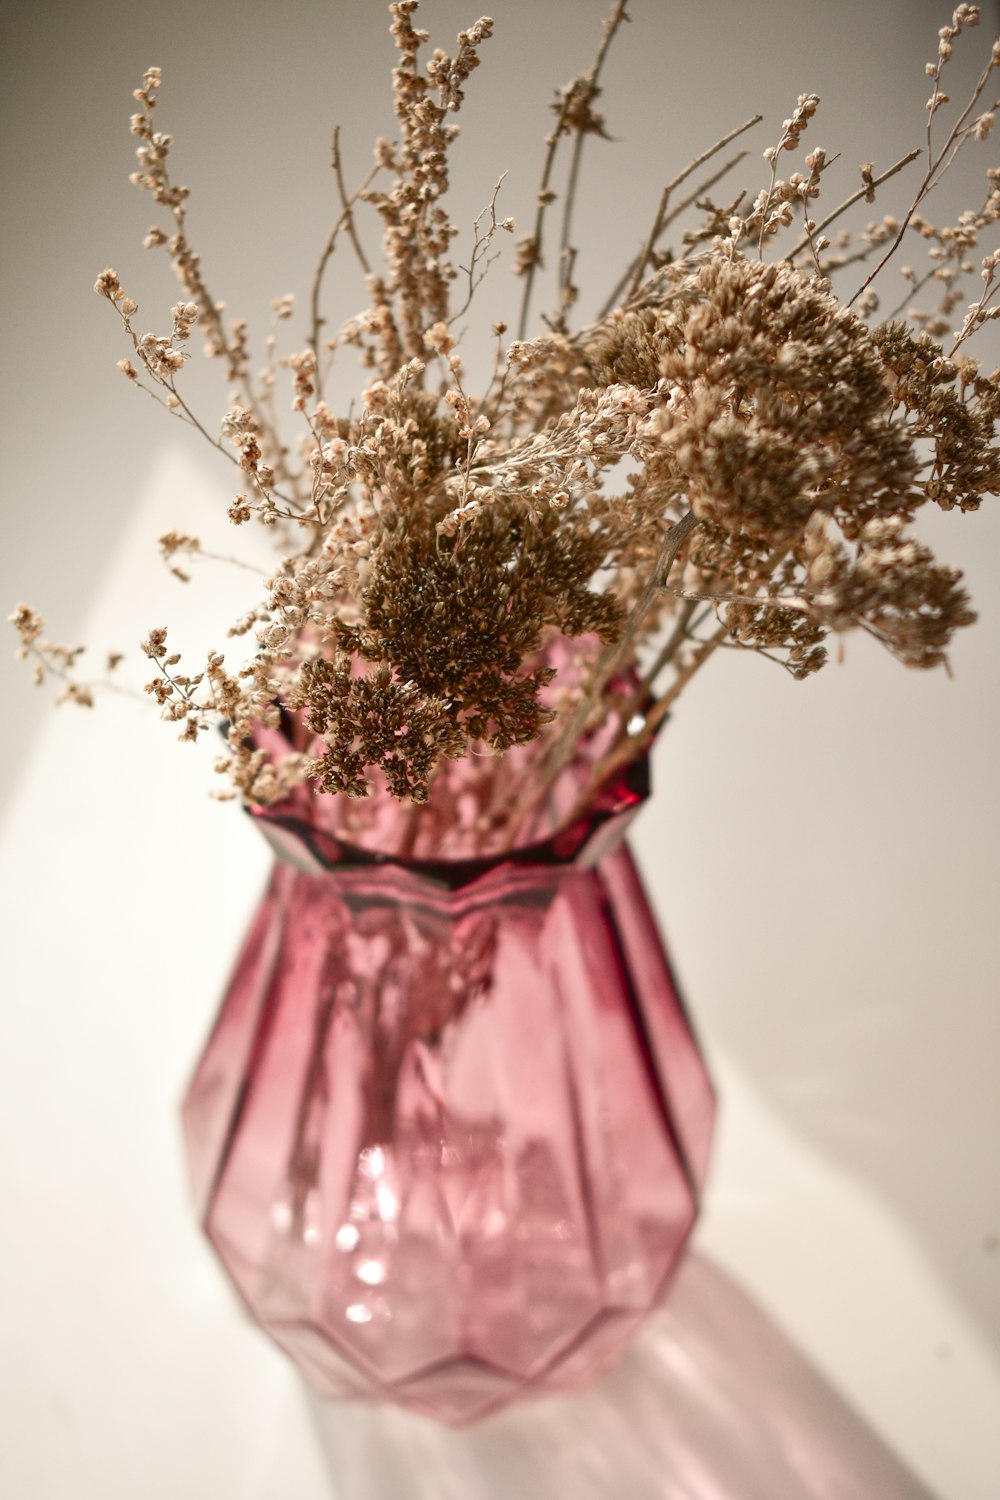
(824, 856)
(126, 1365)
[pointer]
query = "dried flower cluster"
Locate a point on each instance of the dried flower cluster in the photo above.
(441, 546)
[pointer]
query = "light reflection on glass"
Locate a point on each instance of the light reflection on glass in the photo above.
(371, 1272)
(387, 1201)
(347, 1237)
(372, 1161)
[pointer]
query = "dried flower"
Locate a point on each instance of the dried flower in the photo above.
(440, 546)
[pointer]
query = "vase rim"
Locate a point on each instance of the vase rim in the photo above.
(303, 842)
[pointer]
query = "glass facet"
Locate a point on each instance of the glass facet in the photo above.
(449, 1132)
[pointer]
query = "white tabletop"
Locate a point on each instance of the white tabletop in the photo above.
(851, 1024)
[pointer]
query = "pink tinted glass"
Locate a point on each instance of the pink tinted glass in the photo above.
(449, 1131)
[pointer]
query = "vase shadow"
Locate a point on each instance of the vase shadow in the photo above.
(851, 983)
(878, 1087)
(711, 1402)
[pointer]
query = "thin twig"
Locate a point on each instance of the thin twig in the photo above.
(64, 674)
(659, 222)
(628, 745)
(702, 188)
(347, 204)
(610, 661)
(933, 175)
(480, 244)
(345, 221)
(589, 80)
(849, 202)
(663, 705)
(567, 254)
(674, 214)
(671, 646)
(235, 562)
(187, 268)
(811, 233)
(974, 319)
(916, 287)
(842, 262)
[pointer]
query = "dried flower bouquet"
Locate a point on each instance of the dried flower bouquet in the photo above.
(731, 456)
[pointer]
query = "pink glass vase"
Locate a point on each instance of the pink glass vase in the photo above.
(449, 1132)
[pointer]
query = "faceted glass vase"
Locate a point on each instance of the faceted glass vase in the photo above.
(449, 1132)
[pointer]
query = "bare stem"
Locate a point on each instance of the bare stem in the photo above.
(638, 268)
(627, 746)
(663, 705)
(955, 137)
(974, 317)
(480, 245)
(345, 221)
(589, 81)
(347, 203)
(567, 255)
(849, 202)
(671, 646)
(101, 684)
(692, 198)
(915, 288)
(612, 658)
(221, 557)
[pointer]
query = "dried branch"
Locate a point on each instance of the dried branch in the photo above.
(849, 202)
(577, 96)
(956, 137)
(638, 268)
(345, 221)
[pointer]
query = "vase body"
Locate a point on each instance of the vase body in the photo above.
(449, 1132)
